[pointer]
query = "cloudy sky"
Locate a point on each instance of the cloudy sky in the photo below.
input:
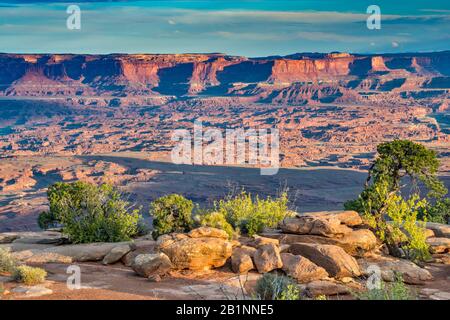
(246, 27)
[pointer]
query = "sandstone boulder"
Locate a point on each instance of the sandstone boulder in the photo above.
(439, 245)
(138, 247)
(301, 268)
(388, 266)
(267, 258)
(195, 253)
(442, 258)
(440, 230)
(203, 232)
(327, 288)
(332, 258)
(116, 254)
(429, 233)
(259, 241)
(348, 217)
(355, 243)
(152, 265)
(242, 259)
(327, 227)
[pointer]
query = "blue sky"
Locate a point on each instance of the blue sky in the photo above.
(251, 28)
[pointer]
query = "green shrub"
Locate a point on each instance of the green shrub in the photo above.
(251, 215)
(29, 275)
(171, 213)
(215, 220)
(91, 213)
(47, 219)
(394, 291)
(439, 212)
(402, 230)
(276, 287)
(7, 263)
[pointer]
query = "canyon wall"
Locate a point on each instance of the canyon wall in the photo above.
(299, 78)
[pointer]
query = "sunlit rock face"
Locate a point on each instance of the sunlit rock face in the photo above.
(327, 76)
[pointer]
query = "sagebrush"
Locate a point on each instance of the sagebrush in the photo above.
(90, 213)
(30, 276)
(7, 263)
(250, 215)
(171, 213)
(272, 286)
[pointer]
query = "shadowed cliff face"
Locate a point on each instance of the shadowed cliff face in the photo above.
(293, 79)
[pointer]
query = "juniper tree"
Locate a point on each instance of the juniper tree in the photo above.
(399, 164)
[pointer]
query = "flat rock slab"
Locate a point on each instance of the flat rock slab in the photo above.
(8, 237)
(85, 252)
(33, 291)
(65, 253)
(17, 247)
(388, 266)
(41, 257)
(42, 237)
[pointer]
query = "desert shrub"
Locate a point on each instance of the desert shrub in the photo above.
(439, 212)
(143, 228)
(402, 229)
(171, 213)
(7, 263)
(47, 219)
(276, 287)
(251, 215)
(394, 291)
(91, 213)
(215, 220)
(30, 275)
(402, 161)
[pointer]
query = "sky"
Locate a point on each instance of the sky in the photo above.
(246, 27)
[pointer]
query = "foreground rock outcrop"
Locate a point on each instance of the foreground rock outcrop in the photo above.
(205, 250)
(321, 265)
(329, 228)
(302, 269)
(333, 259)
(152, 265)
(389, 267)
